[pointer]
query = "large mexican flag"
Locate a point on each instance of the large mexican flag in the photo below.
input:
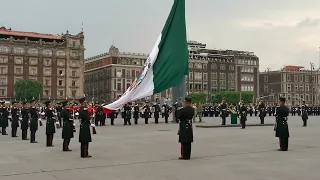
(167, 63)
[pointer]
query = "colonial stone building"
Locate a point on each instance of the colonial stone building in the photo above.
(56, 61)
(108, 75)
(293, 82)
(212, 71)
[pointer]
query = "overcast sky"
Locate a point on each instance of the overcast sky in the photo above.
(285, 32)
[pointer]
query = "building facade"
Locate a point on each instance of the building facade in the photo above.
(56, 61)
(293, 82)
(108, 75)
(212, 71)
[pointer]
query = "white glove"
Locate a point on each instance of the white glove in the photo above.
(93, 125)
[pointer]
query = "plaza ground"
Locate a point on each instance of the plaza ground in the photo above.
(150, 152)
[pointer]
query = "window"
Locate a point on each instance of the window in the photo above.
(288, 77)
(33, 61)
(198, 76)
(296, 87)
(16, 79)
(301, 78)
(3, 81)
(301, 87)
(73, 93)
(231, 67)
(214, 75)
(190, 65)
(4, 49)
(222, 67)
(47, 52)
(18, 70)
(18, 60)
(190, 75)
(18, 50)
(47, 72)
(213, 66)
(47, 92)
(74, 73)
(222, 75)
(47, 82)
(205, 76)
(265, 87)
(205, 67)
(313, 79)
(119, 86)
(307, 88)
(60, 93)
(222, 83)
(60, 83)
(74, 54)
(307, 97)
(3, 70)
(33, 51)
(47, 62)
(198, 66)
(231, 83)
(3, 59)
(230, 76)
(3, 92)
(266, 78)
(288, 87)
(60, 53)
(127, 74)
(306, 78)
(61, 63)
(214, 83)
(73, 83)
(33, 71)
(61, 72)
(73, 64)
(295, 78)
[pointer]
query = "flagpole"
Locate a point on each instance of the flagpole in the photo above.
(178, 94)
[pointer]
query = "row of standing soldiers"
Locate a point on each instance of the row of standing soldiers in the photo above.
(28, 116)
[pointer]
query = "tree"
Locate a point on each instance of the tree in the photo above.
(198, 97)
(233, 97)
(27, 89)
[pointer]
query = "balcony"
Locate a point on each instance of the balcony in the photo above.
(74, 76)
(75, 86)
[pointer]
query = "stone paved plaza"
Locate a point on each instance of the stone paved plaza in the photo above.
(150, 152)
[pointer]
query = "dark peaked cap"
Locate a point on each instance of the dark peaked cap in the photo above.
(282, 99)
(64, 103)
(47, 103)
(187, 99)
(81, 100)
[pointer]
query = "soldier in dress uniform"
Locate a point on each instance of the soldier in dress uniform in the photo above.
(243, 115)
(146, 113)
(15, 119)
(304, 114)
(25, 120)
(166, 112)
(50, 124)
(281, 126)
(99, 117)
(112, 116)
(262, 110)
(67, 129)
(33, 122)
(4, 118)
(84, 133)
(185, 131)
(157, 111)
(127, 112)
(136, 113)
(224, 113)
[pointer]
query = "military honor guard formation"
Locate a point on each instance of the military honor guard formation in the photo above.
(29, 115)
